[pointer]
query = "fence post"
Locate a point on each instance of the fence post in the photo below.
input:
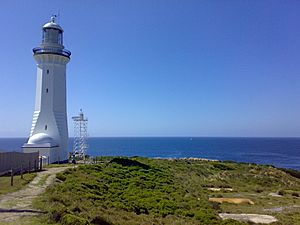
(29, 166)
(21, 171)
(41, 163)
(11, 177)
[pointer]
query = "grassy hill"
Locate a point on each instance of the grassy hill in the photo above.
(160, 191)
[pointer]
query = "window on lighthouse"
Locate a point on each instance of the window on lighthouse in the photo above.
(47, 90)
(47, 71)
(46, 127)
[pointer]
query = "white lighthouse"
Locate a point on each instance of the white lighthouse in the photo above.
(49, 131)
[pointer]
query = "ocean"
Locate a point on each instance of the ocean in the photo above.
(280, 152)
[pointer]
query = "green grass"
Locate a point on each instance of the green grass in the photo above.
(19, 183)
(58, 165)
(156, 191)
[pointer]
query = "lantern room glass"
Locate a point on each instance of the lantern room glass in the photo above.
(53, 36)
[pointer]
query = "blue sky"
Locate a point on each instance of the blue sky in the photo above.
(161, 67)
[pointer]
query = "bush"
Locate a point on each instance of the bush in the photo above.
(281, 192)
(231, 222)
(292, 172)
(222, 166)
(61, 177)
(70, 219)
(57, 212)
(99, 221)
(259, 190)
(225, 186)
(185, 213)
(216, 206)
(205, 216)
(129, 162)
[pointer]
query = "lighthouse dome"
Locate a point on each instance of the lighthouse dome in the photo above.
(41, 138)
(52, 25)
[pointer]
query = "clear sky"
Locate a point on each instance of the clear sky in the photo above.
(161, 67)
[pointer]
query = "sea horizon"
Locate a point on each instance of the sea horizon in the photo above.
(277, 151)
(166, 136)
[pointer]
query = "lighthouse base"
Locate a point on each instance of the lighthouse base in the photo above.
(48, 155)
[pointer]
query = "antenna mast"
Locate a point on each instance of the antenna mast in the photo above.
(58, 17)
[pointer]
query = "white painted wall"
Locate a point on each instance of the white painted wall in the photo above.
(50, 115)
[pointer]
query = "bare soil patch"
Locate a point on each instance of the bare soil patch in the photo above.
(232, 200)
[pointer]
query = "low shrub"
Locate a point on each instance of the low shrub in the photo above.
(259, 190)
(292, 172)
(206, 216)
(222, 166)
(232, 222)
(216, 206)
(98, 220)
(70, 219)
(61, 177)
(129, 162)
(57, 212)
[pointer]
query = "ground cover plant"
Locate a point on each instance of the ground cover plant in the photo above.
(18, 182)
(160, 191)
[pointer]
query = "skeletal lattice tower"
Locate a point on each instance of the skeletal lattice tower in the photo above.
(80, 135)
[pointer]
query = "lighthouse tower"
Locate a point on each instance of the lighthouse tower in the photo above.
(49, 131)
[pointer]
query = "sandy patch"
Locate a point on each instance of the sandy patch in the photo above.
(232, 200)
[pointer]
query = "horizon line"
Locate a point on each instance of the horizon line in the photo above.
(176, 137)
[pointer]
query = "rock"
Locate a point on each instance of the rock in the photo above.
(254, 218)
(220, 189)
(275, 195)
(275, 209)
(214, 189)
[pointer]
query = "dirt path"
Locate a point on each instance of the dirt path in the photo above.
(16, 205)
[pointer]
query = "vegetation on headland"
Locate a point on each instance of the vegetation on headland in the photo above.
(160, 191)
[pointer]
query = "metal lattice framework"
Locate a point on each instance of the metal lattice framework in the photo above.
(80, 135)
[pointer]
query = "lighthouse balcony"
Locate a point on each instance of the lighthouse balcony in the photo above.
(63, 52)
